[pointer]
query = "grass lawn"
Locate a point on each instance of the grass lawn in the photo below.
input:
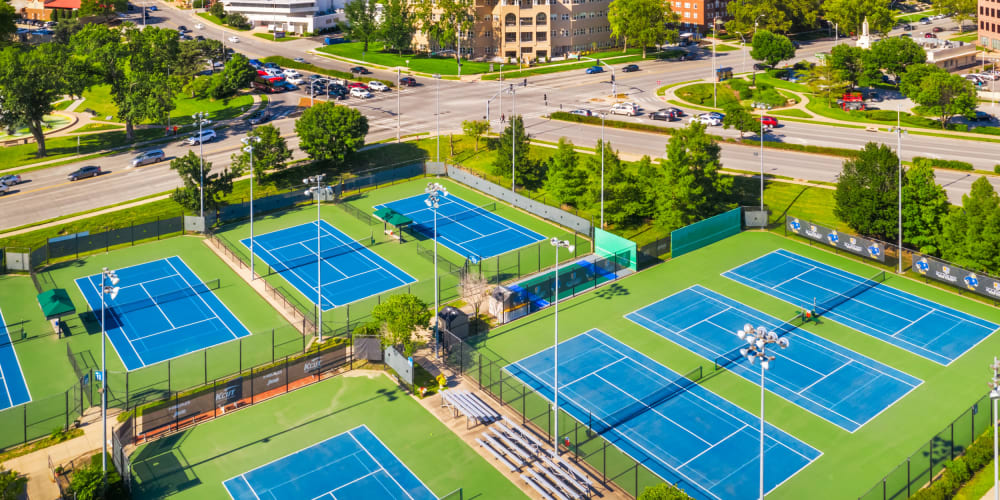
(770, 79)
(98, 98)
(212, 19)
(912, 18)
(721, 47)
(417, 62)
(797, 113)
(63, 104)
(968, 37)
(270, 36)
(12, 157)
(49, 122)
(98, 127)
(555, 68)
(701, 94)
(194, 463)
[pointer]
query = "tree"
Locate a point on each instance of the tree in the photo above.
(236, 74)
(527, 172)
(695, 187)
(960, 10)
(643, 22)
(269, 153)
(12, 484)
(634, 197)
(771, 48)
(663, 491)
(331, 133)
(824, 80)
(190, 60)
(740, 118)
(31, 79)
(400, 315)
(362, 18)
(65, 29)
(853, 64)
(7, 24)
(866, 197)
(398, 25)
(925, 206)
(216, 185)
(971, 235)
(765, 14)
(895, 54)
(850, 14)
(217, 9)
(442, 20)
(474, 289)
(946, 95)
(475, 129)
(566, 181)
(911, 81)
(613, 174)
(237, 20)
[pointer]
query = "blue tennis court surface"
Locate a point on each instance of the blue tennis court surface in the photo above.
(350, 271)
(682, 432)
(351, 465)
(13, 389)
(938, 333)
(834, 382)
(162, 311)
(469, 230)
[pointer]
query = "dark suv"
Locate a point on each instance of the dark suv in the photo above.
(84, 172)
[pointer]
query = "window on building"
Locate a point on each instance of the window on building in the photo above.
(510, 20)
(526, 21)
(565, 17)
(687, 5)
(541, 19)
(687, 14)
(541, 36)
(510, 37)
(526, 36)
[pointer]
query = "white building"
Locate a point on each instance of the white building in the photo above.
(290, 16)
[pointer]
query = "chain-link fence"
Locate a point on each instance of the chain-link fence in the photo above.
(41, 417)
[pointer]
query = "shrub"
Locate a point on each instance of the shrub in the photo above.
(881, 114)
(217, 9)
(237, 20)
(770, 97)
(996, 168)
(937, 163)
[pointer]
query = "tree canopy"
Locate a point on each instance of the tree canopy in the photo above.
(895, 54)
(853, 65)
(740, 118)
(772, 15)
(945, 96)
(771, 48)
(527, 171)
(959, 10)
(398, 25)
(269, 153)
(362, 21)
(331, 133)
(216, 185)
(566, 181)
(400, 315)
(695, 187)
(849, 15)
(925, 206)
(642, 22)
(31, 79)
(867, 193)
(973, 233)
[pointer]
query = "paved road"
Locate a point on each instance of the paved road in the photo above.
(458, 101)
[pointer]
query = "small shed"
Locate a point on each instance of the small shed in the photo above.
(55, 304)
(454, 320)
(390, 217)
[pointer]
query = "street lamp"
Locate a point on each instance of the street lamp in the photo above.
(715, 76)
(763, 107)
(201, 117)
(112, 292)
(754, 80)
(743, 43)
(556, 242)
(899, 181)
(318, 191)
(995, 395)
(437, 113)
(602, 169)
(757, 341)
(434, 193)
(513, 138)
(248, 143)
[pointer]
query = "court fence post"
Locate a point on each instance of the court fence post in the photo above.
(25, 423)
(272, 346)
(66, 398)
(286, 374)
(241, 356)
(635, 492)
(908, 480)
(251, 387)
(604, 461)
(168, 378)
(204, 359)
(501, 389)
(480, 377)
(215, 399)
(930, 459)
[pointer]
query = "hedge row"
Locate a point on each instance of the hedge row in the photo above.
(957, 472)
(937, 163)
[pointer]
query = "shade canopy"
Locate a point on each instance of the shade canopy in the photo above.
(55, 303)
(393, 217)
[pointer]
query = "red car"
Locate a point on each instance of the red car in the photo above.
(356, 85)
(408, 81)
(769, 121)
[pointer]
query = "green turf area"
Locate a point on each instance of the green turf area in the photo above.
(63, 104)
(423, 63)
(49, 122)
(63, 146)
(212, 19)
(912, 18)
(98, 98)
(404, 256)
(269, 36)
(97, 127)
(702, 94)
(797, 113)
(857, 460)
(967, 38)
(721, 47)
(44, 358)
(194, 463)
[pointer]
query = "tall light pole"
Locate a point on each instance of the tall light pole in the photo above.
(715, 75)
(437, 113)
(899, 182)
(602, 169)
(743, 43)
(248, 147)
(762, 158)
(995, 396)
(754, 80)
(112, 291)
(513, 138)
(757, 341)
(556, 242)
(318, 191)
(200, 118)
(434, 193)
(397, 103)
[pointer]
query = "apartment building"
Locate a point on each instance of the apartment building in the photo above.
(290, 16)
(989, 24)
(697, 15)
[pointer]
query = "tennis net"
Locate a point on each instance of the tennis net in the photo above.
(782, 330)
(180, 293)
(649, 401)
(467, 214)
(839, 298)
(325, 254)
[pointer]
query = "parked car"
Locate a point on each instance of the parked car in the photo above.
(905, 35)
(297, 80)
(84, 172)
(988, 76)
(290, 72)
(4, 189)
(206, 135)
(357, 85)
(299, 60)
(769, 121)
(378, 86)
(234, 39)
(256, 64)
(594, 69)
(360, 70)
(628, 68)
(337, 92)
(153, 8)
(908, 27)
(199, 26)
(937, 29)
(582, 112)
(182, 29)
(924, 20)
(362, 93)
(624, 108)
(147, 157)
(677, 111)
(713, 114)
(707, 120)
(663, 114)
(930, 35)
(981, 116)
(10, 180)
(408, 81)
(259, 116)
(271, 65)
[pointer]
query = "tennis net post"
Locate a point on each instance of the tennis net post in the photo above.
(821, 308)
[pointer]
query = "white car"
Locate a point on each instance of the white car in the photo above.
(290, 73)
(207, 135)
(625, 108)
(707, 120)
(295, 80)
(362, 93)
(234, 39)
(273, 72)
(379, 86)
(988, 76)
(199, 26)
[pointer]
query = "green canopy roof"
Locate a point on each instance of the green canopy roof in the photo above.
(399, 220)
(55, 303)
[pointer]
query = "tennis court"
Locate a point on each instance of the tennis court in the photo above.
(162, 311)
(349, 270)
(353, 464)
(833, 382)
(938, 333)
(681, 431)
(472, 232)
(15, 390)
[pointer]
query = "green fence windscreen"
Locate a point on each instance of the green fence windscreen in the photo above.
(703, 233)
(609, 245)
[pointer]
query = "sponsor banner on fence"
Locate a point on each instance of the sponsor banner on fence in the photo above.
(940, 270)
(847, 242)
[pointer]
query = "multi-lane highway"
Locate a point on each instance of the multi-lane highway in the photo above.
(49, 194)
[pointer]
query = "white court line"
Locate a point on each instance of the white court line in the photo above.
(157, 304)
(171, 329)
(362, 253)
(712, 447)
(203, 301)
(104, 327)
(397, 458)
(3, 376)
(381, 467)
